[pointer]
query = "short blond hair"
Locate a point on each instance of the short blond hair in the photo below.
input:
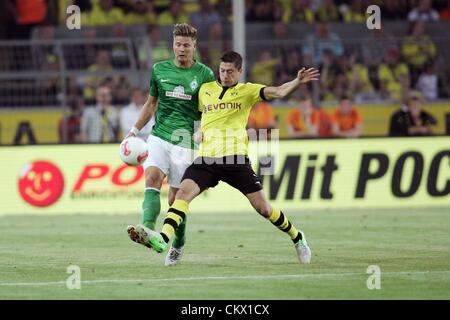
(184, 30)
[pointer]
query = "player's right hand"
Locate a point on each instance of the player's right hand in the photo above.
(129, 134)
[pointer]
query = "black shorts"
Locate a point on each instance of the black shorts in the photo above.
(234, 170)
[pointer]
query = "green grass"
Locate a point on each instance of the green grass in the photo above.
(231, 256)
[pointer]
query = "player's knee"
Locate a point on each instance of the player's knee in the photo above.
(183, 194)
(153, 180)
(264, 209)
(171, 198)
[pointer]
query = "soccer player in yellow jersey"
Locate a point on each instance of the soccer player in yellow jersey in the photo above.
(225, 106)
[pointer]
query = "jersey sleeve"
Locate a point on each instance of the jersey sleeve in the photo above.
(153, 84)
(255, 92)
(200, 96)
(209, 75)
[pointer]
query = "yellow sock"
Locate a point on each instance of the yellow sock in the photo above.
(175, 215)
(281, 221)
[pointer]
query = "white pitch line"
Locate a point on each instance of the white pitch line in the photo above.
(248, 277)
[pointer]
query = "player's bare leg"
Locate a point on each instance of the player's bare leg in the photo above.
(280, 220)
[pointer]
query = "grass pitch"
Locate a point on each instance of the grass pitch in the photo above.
(231, 256)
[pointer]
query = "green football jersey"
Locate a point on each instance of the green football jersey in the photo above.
(177, 92)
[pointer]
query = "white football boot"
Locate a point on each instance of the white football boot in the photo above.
(174, 256)
(303, 250)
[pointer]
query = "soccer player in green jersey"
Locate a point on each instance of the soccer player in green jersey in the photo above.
(173, 98)
(226, 106)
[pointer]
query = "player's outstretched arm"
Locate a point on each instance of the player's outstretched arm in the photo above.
(147, 111)
(303, 76)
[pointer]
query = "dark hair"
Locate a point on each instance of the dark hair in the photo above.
(74, 102)
(232, 57)
(184, 30)
(345, 97)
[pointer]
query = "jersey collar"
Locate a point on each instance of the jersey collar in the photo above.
(220, 85)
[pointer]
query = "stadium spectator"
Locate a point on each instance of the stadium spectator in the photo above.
(205, 16)
(356, 12)
(331, 77)
(289, 68)
(393, 76)
(73, 89)
(143, 12)
(423, 12)
(444, 14)
(261, 117)
(29, 13)
(8, 15)
(121, 90)
(174, 15)
(375, 45)
(69, 126)
(215, 47)
(393, 10)
(225, 11)
(328, 11)
(119, 51)
(357, 78)
(307, 121)
(263, 11)
(46, 53)
(298, 11)
(282, 44)
(315, 44)
(418, 48)
(130, 113)
(100, 123)
(412, 121)
(264, 70)
(346, 119)
(153, 49)
(45, 59)
(81, 56)
(102, 13)
(427, 83)
(102, 63)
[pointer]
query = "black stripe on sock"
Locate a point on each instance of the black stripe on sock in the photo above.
(165, 238)
(178, 212)
(280, 220)
(297, 238)
(172, 222)
(289, 226)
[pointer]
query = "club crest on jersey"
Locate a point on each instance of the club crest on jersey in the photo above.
(178, 92)
(194, 84)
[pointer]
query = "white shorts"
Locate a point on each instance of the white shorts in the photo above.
(172, 160)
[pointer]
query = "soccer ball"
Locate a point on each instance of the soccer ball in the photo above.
(133, 151)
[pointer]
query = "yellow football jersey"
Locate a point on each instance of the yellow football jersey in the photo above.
(225, 114)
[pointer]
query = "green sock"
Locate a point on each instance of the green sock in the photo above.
(151, 208)
(180, 238)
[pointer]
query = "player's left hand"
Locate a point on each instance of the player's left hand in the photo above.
(198, 136)
(306, 75)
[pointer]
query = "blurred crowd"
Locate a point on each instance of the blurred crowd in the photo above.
(104, 123)
(382, 67)
(19, 16)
